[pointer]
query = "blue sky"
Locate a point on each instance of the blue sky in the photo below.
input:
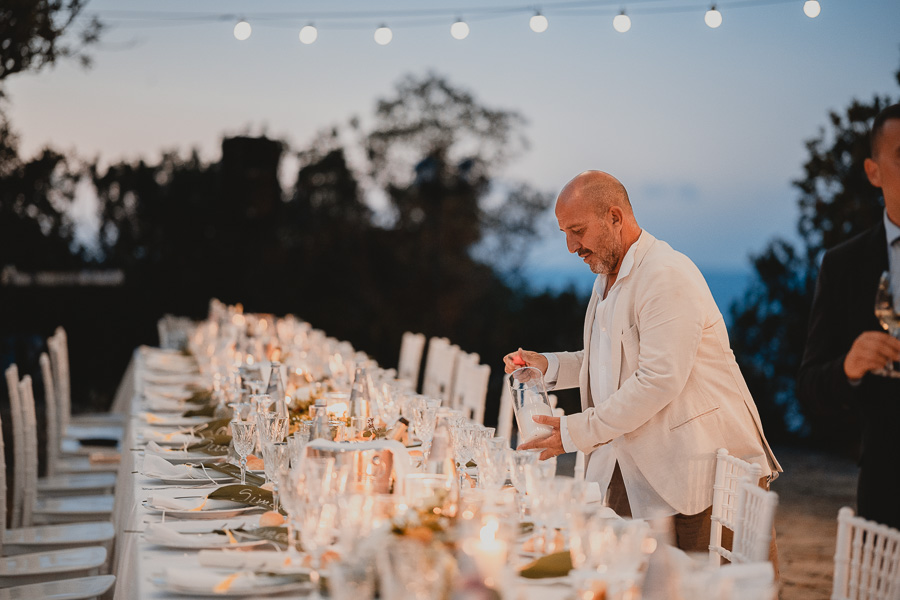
(705, 128)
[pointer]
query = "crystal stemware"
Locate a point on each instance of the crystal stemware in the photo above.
(275, 457)
(888, 317)
(243, 434)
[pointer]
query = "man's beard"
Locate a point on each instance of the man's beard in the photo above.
(606, 262)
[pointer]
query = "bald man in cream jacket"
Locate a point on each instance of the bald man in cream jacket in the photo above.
(660, 389)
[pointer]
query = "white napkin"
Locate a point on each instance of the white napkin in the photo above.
(192, 504)
(160, 468)
(162, 534)
(175, 438)
(155, 402)
(260, 560)
(161, 502)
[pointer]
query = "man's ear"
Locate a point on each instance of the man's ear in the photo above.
(872, 172)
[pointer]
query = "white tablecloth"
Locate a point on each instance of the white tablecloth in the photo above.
(135, 562)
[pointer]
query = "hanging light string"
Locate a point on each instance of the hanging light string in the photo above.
(457, 19)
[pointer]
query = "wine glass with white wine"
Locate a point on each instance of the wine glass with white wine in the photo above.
(886, 312)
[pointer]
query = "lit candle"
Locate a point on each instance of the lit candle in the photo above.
(488, 551)
(338, 410)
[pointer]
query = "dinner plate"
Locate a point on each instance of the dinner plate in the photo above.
(189, 536)
(191, 582)
(173, 421)
(180, 457)
(206, 513)
(215, 477)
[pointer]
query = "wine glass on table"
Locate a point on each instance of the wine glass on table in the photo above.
(886, 312)
(243, 434)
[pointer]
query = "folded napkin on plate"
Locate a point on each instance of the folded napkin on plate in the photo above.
(158, 467)
(157, 403)
(557, 564)
(176, 438)
(221, 582)
(161, 533)
(259, 560)
(192, 504)
(161, 502)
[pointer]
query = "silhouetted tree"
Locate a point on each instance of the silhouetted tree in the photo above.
(836, 202)
(36, 33)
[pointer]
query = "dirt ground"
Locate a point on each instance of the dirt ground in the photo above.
(812, 489)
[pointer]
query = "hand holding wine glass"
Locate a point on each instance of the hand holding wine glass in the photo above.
(874, 351)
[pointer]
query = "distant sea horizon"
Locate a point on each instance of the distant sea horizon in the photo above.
(726, 285)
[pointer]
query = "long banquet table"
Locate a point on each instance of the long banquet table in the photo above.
(135, 560)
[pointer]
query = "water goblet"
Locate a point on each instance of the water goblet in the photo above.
(243, 434)
(275, 457)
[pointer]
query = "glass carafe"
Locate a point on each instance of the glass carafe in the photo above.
(529, 396)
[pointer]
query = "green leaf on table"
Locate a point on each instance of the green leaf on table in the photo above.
(245, 494)
(526, 527)
(277, 535)
(557, 564)
(235, 472)
(214, 428)
(205, 411)
(214, 446)
(200, 397)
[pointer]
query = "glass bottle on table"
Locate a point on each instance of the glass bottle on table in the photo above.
(321, 428)
(359, 395)
(275, 389)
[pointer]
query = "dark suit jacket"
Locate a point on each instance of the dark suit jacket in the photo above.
(843, 308)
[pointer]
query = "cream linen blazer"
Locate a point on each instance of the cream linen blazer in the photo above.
(680, 394)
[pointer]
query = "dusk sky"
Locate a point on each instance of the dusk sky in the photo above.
(705, 127)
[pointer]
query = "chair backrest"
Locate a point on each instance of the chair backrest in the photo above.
(412, 346)
(18, 482)
(470, 387)
(29, 428)
(505, 415)
(59, 359)
(440, 364)
(755, 517)
(729, 471)
(866, 559)
(51, 415)
(3, 505)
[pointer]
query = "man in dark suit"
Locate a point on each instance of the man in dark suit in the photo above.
(846, 344)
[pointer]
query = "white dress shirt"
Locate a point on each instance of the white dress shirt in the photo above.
(893, 249)
(645, 502)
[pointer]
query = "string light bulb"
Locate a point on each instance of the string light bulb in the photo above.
(622, 22)
(539, 23)
(383, 35)
(812, 8)
(459, 30)
(242, 30)
(713, 17)
(309, 34)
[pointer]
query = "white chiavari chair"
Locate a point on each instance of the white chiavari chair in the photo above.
(45, 509)
(753, 527)
(95, 425)
(55, 483)
(440, 365)
(505, 414)
(30, 572)
(866, 559)
(412, 345)
(470, 384)
(729, 471)
(18, 477)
